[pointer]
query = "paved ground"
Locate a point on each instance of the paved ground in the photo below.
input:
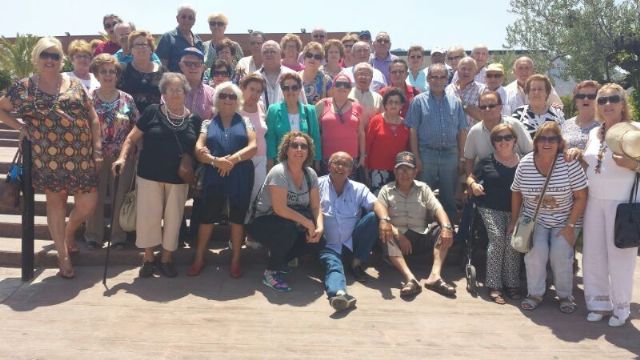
(216, 317)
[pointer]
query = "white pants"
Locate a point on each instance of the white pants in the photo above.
(608, 270)
(159, 211)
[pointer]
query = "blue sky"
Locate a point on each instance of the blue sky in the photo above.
(425, 22)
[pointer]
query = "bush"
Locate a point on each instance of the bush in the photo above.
(569, 106)
(5, 80)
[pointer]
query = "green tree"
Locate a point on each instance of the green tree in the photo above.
(15, 57)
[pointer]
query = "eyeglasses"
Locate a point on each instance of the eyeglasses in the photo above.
(499, 138)
(110, 25)
(187, 17)
(220, 73)
(318, 36)
(415, 57)
(217, 23)
(225, 96)
(254, 43)
(383, 41)
(494, 76)
(141, 45)
(347, 46)
(310, 55)
(487, 107)
(398, 72)
(47, 55)
(394, 102)
(107, 72)
(191, 64)
(269, 52)
(451, 58)
(549, 139)
(342, 85)
(290, 88)
(585, 96)
(435, 77)
(82, 56)
(298, 145)
(613, 99)
(344, 164)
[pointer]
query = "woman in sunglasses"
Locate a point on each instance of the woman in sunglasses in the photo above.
(537, 111)
(559, 217)
(227, 143)
(576, 130)
(608, 271)
(291, 115)
(315, 82)
(59, 118)
(286, 216)
(218, 25)
(220, 72)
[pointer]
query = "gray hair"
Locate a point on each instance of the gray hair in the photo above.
(170, 77)
(362, 66)
(437, 67)
(360, 44)
(270, 43)
(184, 7)
(225, 86)
(125, 23)
(468, 59)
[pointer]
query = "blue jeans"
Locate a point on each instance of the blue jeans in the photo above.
(549, 245)
(365, 235)
(440, 171)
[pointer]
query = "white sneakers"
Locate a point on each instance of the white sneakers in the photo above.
(595, 317)
(614, 321)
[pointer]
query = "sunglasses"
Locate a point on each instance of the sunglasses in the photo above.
(487, 107)
(613, 99)
(47, 55)
(225, 96)
(493, 76)
(290, 88)
(107, 72)
(217, 23)
(344, 164)
(187, 17)
(549, 139)
(192, 64)
(383, 41)
(309, 55)
(454, 58)
(110, 25)
(499, 138)
(415, 57)
(434, 77)
(318, 36)
(298, 145)
(220, 73)
(342, 85)
(585, 96)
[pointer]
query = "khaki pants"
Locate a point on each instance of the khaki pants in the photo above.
(159, 211)
(95, 223)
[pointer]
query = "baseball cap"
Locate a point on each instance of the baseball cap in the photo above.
(193, 51)
(364, 34)
(405, 158)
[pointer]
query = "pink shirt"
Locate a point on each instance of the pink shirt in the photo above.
(339, 133)
(200, 101)
(260, 126)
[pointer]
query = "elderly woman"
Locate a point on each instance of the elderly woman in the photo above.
(334, 54)
(117, 114)
(141, 77)
(252, 87)
(315, 82)
(398, 70)
(559, 217)
(59, 118)
(576, 130)
(386, 136)
(490, 183)
(226, 53)
(291, 46)
(286, 216)
(220, 72)
(168, 132)
(347, 42)
(218, 25)
(79, 52)
(608, 270)
(227, 143)
(417, 75)
(532, 116)
(291, 115)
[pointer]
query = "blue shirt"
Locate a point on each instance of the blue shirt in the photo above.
(437, 121)
(125, 59)
(382, 65)
(420, 81)
(342, 213)
(172, 44)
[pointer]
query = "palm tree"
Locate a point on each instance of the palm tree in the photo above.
(15, 57)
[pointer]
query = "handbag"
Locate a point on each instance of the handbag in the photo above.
(10, 188)
(128, 210)
(186, 169)
(626, 232)
(522, 237)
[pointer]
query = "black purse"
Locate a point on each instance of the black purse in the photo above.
(627, 225)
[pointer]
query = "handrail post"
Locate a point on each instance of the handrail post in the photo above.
(28, 237)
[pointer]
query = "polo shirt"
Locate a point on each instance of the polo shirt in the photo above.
(478, 145)
(171, 45)
(382, 65)
(125, 59)
(414, 211)
(469, 95)
(419, 81)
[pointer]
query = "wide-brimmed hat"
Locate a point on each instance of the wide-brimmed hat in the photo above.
(624, 138)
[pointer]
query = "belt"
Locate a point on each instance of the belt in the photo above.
(439, 148)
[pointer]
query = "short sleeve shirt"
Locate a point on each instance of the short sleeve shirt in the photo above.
(576, 136)
(415, 211)
(279, 176)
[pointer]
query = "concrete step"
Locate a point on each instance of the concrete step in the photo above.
(4, 126)
(9, 143)
(9, 134)
(11, 226)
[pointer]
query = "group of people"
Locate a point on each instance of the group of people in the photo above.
(330, 147)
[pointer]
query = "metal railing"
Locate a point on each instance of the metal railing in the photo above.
(28, 205)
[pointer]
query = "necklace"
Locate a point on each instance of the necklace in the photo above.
(339, 110)
(171, 116)
(603, 148)
(36, 81)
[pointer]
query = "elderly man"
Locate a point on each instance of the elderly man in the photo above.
(361, 51)
(350, 212)
(110, 46)
(371, 101)
(438, 132)
(398, 71)
(200, 99)
(495, 78)
(480, 54)
(218, 25)
(467, 89)
(365, 35)
(381, 58)
(249, 64)
(523, 67)
(439, 56)
(172, 43)
(271, 71)
(412, 208)
(124, 56)
(454, 55)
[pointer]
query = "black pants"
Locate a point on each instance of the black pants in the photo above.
(284, 239)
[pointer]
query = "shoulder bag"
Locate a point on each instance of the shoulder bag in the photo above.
(627, 225)
(10, 188)
(186, 169)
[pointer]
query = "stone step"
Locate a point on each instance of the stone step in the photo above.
(4, 126)
(9, 134)
(12, 143)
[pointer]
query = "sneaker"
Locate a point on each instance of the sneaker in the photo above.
(168, 269)
(594, 316)
(147, 269)
(359, 274)
(342, 302)
(615, 321)
(273, 279)
(252, 244)
(286, 269)
(293, 263)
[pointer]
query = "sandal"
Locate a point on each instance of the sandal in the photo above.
(567, 305)
(73, 249)
(496, 296)
(442, 288)
(513, 293)
(195, 269)
(410, 288)
(66, 274)
(530, 302)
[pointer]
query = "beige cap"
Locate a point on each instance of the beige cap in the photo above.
(495, 67)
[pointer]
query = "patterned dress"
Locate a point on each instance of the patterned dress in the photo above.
(117, 118)
(61, 136)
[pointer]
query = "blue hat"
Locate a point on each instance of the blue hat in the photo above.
(364, 33)
(192, 51)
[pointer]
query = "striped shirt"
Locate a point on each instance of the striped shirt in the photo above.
(558, 199)
(469, 95)
(532, 121)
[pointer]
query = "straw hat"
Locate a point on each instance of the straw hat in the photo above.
(624, 138)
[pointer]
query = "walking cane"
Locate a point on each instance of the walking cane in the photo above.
(113, 221)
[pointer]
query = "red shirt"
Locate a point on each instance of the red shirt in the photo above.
(410, 93)
(108, 47)
(339, 133)
(383, 142)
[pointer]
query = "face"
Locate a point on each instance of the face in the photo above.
(313, 59)
(220, 75)
(361, 53)
(341, 87)
(610, 105)
(271, 57)
(122, 35)
(81, 62)
(290, 90)
(290, 49)
(363, 79)
(437, 58)
(466, 71)
(393, 105)
(319, 36)
(586, 100)
(340, 166)
(348, 45)
(192, 67)
(453, 58)
(227, 101)
(481, 55)
(107, 76)
(415, 60)
(404, 175)
(537, 92)
(548, 143)
(140, 48)
(437, 81)
(109, 24)
(333, 54)
(397, 74)
(494, 79)
(382, 45)
(256, 44)
(186, 18)
(522, 70)
(225, 54)
(503, 142)
(489, 108)
(174, 92)
(49, 61)
(298, 149)
(217, 27)
(252, 93)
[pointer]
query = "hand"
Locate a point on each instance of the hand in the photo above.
(557, 106)
(446, 238)
(314, 237)
(625, 162)
(477, 189)
(405, 245)
(386, 231)
(361, 161)
(510, 228)
(117, 166)
(224, 166)
(98, 160)
(569, 234)
(572, 154)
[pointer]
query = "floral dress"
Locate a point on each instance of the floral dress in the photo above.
(61, 139)
(117, 118)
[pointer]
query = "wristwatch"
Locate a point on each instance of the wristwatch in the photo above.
(386, 218)
(447, 226)
(213, 161)
(571, 225)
